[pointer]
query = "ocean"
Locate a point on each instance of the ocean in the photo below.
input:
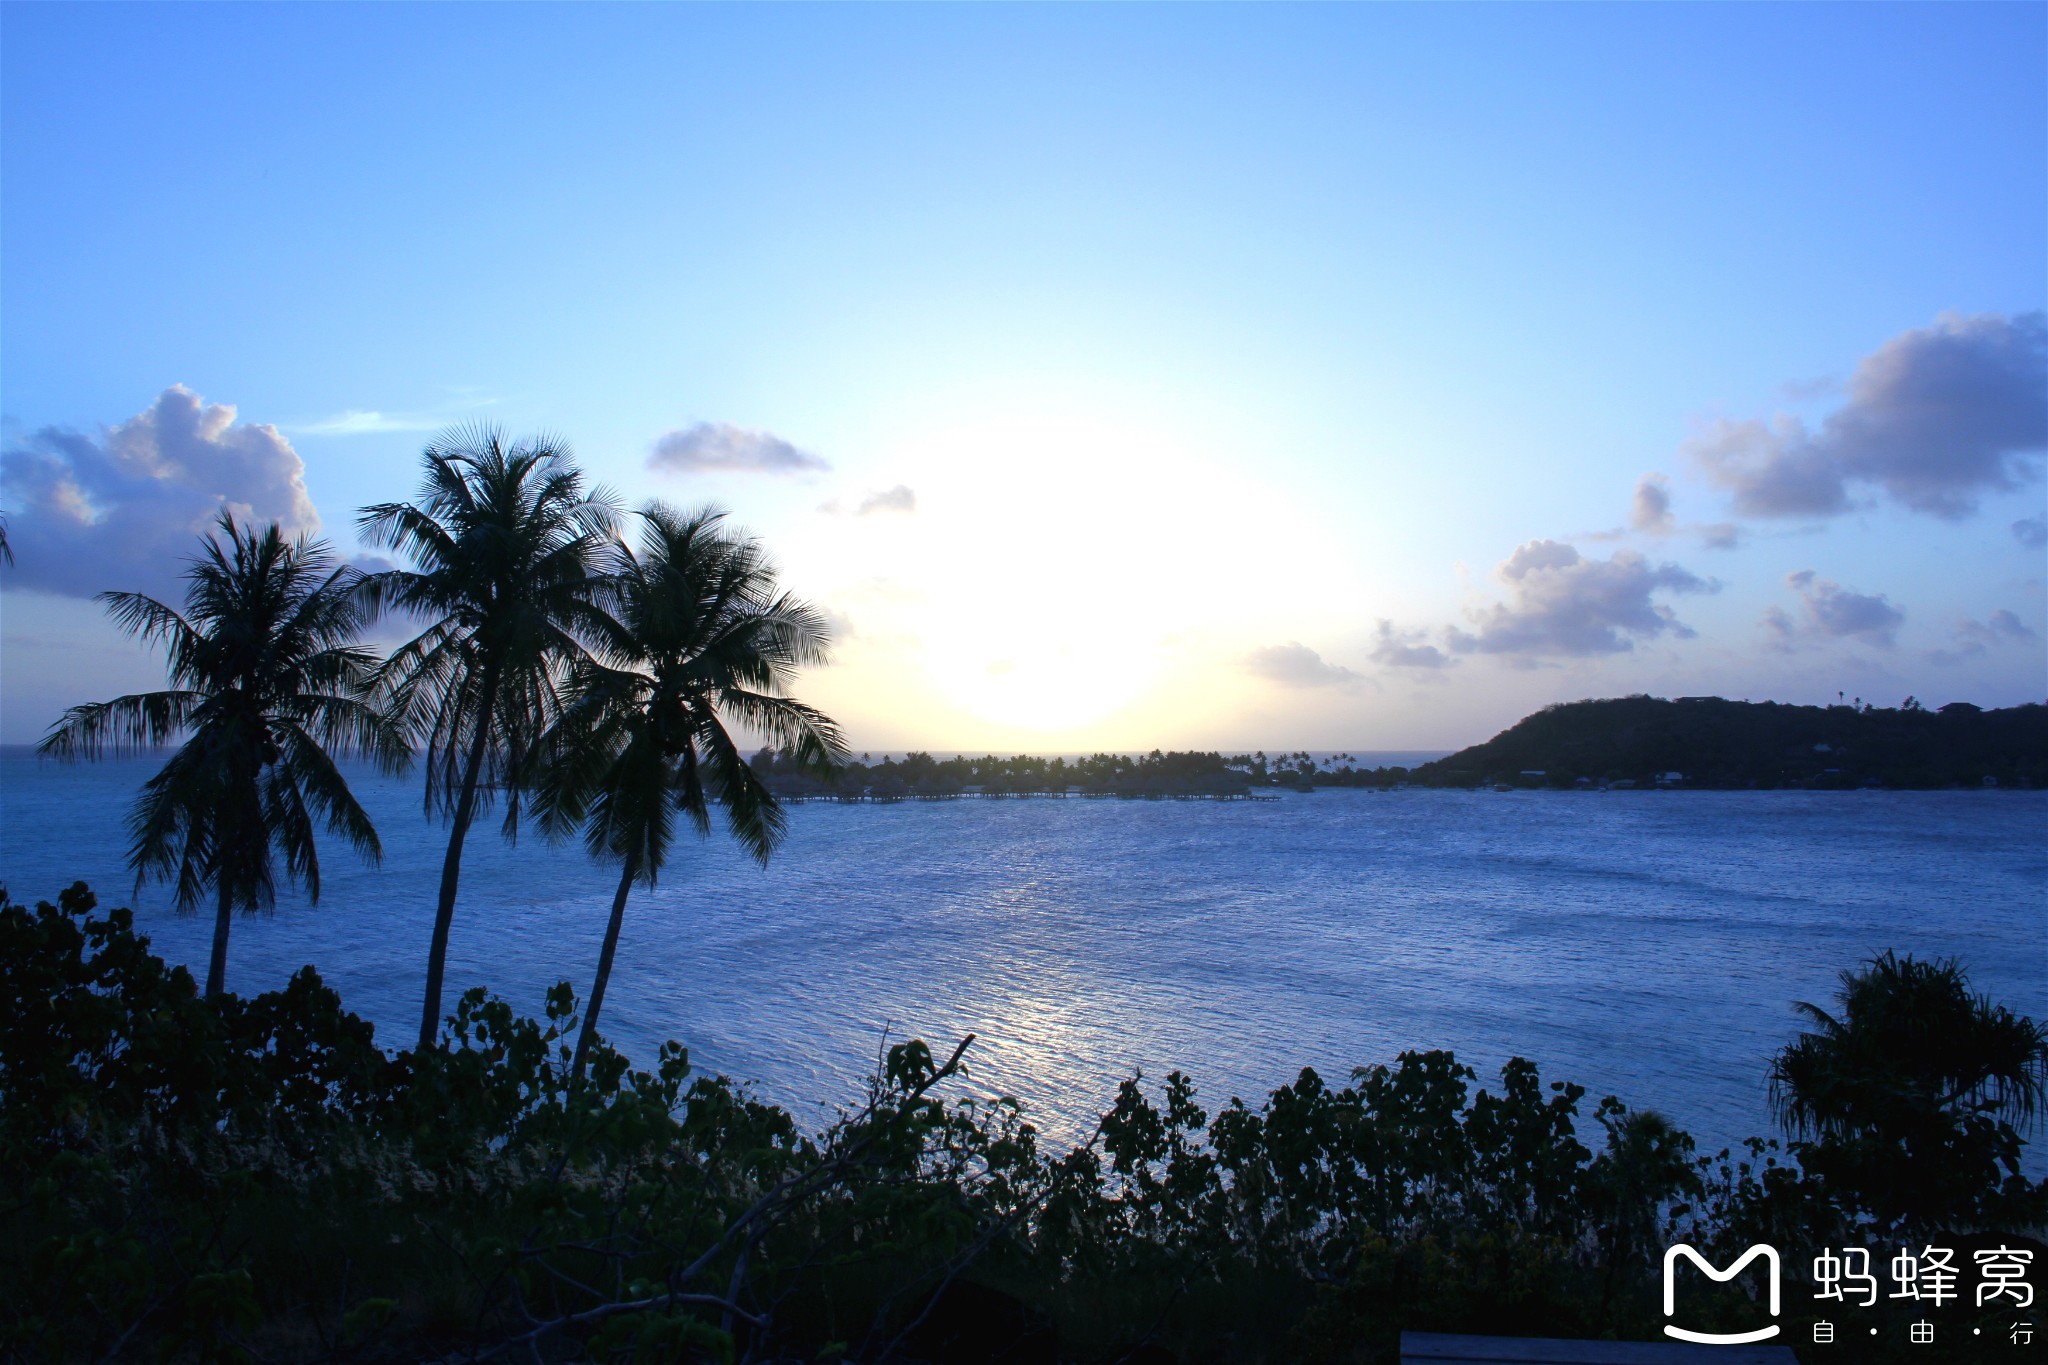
(1644, 944)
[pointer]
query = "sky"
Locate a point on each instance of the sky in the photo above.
(1119, 377)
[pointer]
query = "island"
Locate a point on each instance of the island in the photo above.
(1711, 742)
(1616, 743)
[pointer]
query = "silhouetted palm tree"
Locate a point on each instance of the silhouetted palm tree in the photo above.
(700, 636)
(1913, 1092)
(502, 538)
(268, 684)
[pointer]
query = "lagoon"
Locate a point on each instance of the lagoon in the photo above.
(1645, 944)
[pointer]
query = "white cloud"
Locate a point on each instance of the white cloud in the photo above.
(1829, 611)
(125, 510)
(358, 422)
(1934, 417)
(721, 447)
(1564, 604)
(1296, 665)
(2031, 532)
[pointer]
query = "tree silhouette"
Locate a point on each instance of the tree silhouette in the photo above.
(699, 634)
(1911, 1096)
(267, 683)
(502, 538)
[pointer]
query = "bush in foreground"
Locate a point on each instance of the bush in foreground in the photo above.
(184, 1179)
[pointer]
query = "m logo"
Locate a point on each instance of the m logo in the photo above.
(1770, 1257)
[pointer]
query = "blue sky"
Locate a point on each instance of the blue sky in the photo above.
(1219, 375)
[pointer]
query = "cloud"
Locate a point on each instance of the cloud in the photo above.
(1404, 649)
(721, 447)
(1807, 390)
(1650, 514)
(1829, 611)
(125, 510)
(898, 499)
(1296, 665)
(838, 625)
(1974, 638)
(2031, 532)
(1564, 604)
(357, 422)
(1651, 508)
(2004, 627)
(1934, 417)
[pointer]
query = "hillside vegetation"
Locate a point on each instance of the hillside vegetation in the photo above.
(1717, 743)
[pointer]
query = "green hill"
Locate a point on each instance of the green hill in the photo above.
(1717, 743)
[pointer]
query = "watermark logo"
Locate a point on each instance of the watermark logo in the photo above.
(1769, 1254)
(2004, 1274)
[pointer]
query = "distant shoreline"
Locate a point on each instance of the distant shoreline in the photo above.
(1713, 743)
(1379, 757)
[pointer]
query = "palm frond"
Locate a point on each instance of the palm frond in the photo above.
(125, 725)
(754, 817)
(813, 737)
(150, 621)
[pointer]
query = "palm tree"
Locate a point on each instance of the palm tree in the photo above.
(502, 538)
(700, 635)
(268, 683)
(1912, 1094)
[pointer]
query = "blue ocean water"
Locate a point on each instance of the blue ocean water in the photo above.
(1644, 944)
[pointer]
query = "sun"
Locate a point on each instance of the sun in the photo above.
(1059, 559)
(1041, 684)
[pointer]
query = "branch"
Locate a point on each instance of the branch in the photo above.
(609, 1310)
(786, 1191)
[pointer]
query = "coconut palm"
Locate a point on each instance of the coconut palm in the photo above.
(1913, 1092)
(502, 538)
(700, 636)
(268, 684)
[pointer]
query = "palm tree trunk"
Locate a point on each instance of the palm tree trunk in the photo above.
(604, 967)
(217, 966)
(451, 867)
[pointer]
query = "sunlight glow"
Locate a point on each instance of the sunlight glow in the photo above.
(1063, 557)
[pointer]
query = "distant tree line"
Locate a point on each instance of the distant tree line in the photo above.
(1635, 741)
(921, 775)
(1711, 742)
(1158, 773)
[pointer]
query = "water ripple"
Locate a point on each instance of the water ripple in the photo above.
(1643, 944)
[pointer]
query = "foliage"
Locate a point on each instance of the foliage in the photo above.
(503, 539)
(1911, 1097)
(163, 1158)
(921, 775)
(1718, 743)
(695, 633)
(1632, 741)
(267, 685)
